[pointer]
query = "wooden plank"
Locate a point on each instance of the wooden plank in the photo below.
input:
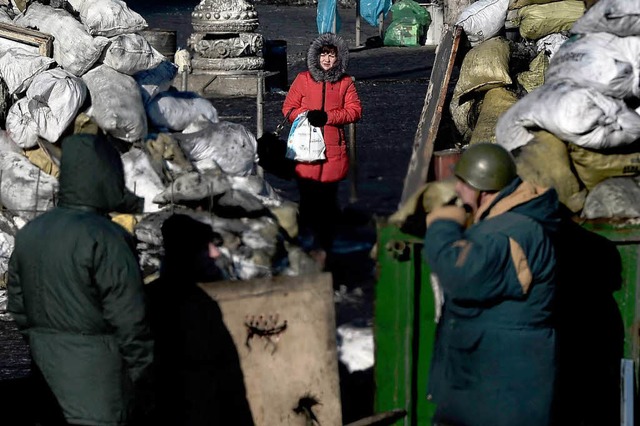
(44, 42)
(431, 113)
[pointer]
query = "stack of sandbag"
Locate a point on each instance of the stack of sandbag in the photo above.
(105, 77)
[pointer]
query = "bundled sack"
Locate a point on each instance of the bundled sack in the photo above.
(141, 178)
(464, 113)
(603, 61)
(484, 67)
(116, 103)
(535, 77)
(21, 126)
(545, 162)
(495, 103)
(175, 110)
(56, 97)
(613, 198)
(229, 146)
(19, 67)
(483, 19)
(73, 48)
(109, 18)
(539, 20)
(517, 4)
(550, 44)
(44, 160)
(594, 167)
(156, 80)
(130, 54)
(573, 113)
(619, 17)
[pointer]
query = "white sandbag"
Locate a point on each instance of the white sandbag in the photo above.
(258, 187)
(550, 44)
(131, 53)
(141, 179)
(581, 115)
(615, 197)
(619, 17)
(483, 19)
(116, 103)
(110, 18)
(20, 180)
(6, 44)
(603, 61)
(227, 145)
(73, 48)
(5, 18)
(8, 144)
(155, 80)
(176, 110)
(56, 98)
(18, 67)
(20, 124)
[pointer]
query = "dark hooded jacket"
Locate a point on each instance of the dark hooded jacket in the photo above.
(75, 290)
(334, 92)
(494, 357)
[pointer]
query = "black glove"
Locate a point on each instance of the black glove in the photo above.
(317, 118)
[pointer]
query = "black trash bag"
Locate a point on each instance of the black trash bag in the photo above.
(271, 154)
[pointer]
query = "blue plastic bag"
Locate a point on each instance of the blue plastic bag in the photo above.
(326, 13)
(370, 10)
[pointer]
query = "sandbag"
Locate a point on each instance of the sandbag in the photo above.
(175, 110)
(545, 162)
(116, 103)
(18, 67)
(539, 20)
(551, 43)
(495, 103)
(21, 126)
(483, 19)
(42, 160)
(56, 97)
(535, 77)
(594, 167)
(141, 179)
(155, 80)
(229, 146)
(619, 17)
(73, 48)
(464, 115)
(484, 67)
(573, 113)
(110, 18)
(517, 4)
(131, 53)
(258, 187)
(613, 198)
(603, 61)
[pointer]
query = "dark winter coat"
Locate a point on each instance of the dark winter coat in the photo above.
(75, 290)
(335, 92)
(494, 358)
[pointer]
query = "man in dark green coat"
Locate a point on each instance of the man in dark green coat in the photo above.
(75, 290)
(494, 361)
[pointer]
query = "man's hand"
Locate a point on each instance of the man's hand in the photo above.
(317, 118)
(455, 213)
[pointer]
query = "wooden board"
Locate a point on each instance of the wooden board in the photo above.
(294, 355)
(431, 113)
(43, 42)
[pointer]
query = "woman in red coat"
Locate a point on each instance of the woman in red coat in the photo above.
(330, 96)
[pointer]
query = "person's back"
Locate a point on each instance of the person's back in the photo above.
(75, 290)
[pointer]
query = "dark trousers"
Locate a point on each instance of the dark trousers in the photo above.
(319, 210)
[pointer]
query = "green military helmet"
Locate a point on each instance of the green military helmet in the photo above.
(486, 167)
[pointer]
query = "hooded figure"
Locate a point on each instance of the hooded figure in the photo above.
(75, 290)
(329, 95)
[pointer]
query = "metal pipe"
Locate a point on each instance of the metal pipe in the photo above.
(358, 23)
(260, 105)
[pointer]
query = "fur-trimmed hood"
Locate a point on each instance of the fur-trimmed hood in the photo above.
(313, 58)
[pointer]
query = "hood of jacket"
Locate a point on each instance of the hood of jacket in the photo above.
(313, 58)
(538, 203)
(91, 173)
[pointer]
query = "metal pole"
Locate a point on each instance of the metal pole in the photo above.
(353, 166)
(260, 105)
(381, 25)
(358, 23)
(184, 84)
(334, 25)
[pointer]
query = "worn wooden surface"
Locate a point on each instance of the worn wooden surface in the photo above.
(44, 42)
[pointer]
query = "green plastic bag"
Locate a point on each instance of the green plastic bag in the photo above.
(409, 24)
(411, 9)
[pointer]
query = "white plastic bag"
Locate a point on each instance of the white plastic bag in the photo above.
(305, 143)
(619, 17)
(483, 19)
(131, 53)
(176, 110)
(110, 18)
(18, 68)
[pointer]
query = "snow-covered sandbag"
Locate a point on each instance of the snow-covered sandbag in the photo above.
(155, 80)
(18, 67)
(73, 48)
(540, 20)
(5, 18)
(228, 145)
(573, 113)
(110, 18)
(608, 63)
(131, 53)
(551, 43)
(175, 110)
(616, 197)
(619, 17)
(141, 178)
(116, 103)
(21, 126)
(56, 97)
(194, 186)
(483, 19)
(25, 189)
(258, 187)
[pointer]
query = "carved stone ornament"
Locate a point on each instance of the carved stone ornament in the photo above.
(246, 44)
(228, 64)
(224, 16)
